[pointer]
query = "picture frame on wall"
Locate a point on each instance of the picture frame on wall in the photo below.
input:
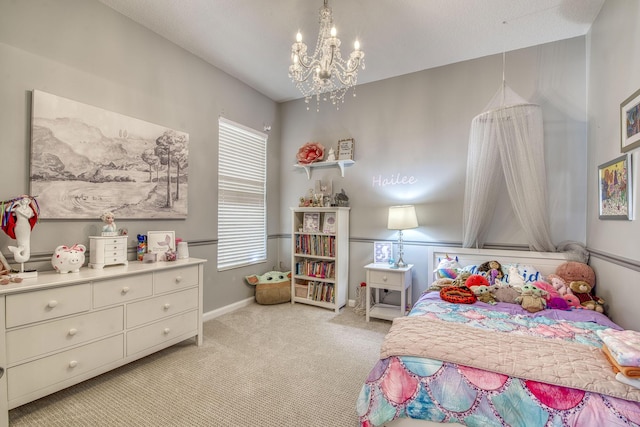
(382, 252)
(615, 189)
(630, 123)
(160, 242)
(345, 149)
(311, 222)
(329, 223)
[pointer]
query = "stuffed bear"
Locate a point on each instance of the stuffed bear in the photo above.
(582, 291)
(531, 299)
(576, 271)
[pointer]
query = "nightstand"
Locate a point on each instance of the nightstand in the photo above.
(384, 276)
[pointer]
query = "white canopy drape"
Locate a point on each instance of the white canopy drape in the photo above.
(507, 142)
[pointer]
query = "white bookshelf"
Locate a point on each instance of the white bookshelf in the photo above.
(320, 257)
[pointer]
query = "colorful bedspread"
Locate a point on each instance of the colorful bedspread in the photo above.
(404, 386)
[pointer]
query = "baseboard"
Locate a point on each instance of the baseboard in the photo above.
(227, 309)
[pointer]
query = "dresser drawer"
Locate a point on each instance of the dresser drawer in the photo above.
(25, 343)
(161, 306)
(116, 247)
(122, 289)
(159, 332)
(33, 376)
(175, 278)
(29, 307)
(386, 279)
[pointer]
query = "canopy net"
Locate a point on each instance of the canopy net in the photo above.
(507, 143)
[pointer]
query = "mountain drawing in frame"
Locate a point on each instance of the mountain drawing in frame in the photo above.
(86, 160)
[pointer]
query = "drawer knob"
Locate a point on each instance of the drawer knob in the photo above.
(384, 278)
(73, 363)
(178, 279)
(73, 331)
(52, 303)
(166, 306)
(125, 289)
(166, 331)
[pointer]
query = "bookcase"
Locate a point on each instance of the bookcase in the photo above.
(320, 256)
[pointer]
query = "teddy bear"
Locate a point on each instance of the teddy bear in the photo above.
(582, 291)
(576, 271)
(531, 299)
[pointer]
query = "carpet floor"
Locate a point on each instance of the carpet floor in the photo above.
(281, 365)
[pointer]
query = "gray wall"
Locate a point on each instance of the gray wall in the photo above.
(614, 74)
(87, 52)
(417, 126)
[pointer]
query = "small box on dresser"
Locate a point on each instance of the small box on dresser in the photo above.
(107, 250)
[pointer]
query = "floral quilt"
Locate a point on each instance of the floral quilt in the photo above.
(421, 388)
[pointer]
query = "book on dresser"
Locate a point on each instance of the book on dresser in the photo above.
(320, 256)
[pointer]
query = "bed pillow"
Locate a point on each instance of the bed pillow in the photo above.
(528, 272)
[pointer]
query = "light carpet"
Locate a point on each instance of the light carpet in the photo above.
(281, 365)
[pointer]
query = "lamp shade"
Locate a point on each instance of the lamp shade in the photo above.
(402, 217)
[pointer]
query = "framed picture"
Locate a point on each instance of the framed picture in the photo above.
(160, 242)
(311, 222)
(615, 188)
(382, 252)
(345, 149)
(86, 160)
(329, 223)
(630, 122)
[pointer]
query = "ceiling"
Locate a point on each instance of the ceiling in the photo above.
(251, 39)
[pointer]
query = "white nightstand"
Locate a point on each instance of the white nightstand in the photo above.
(383, 276)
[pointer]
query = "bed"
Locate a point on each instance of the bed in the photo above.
(495, 365)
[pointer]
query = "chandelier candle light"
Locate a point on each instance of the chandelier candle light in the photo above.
(325, 73)
(402, 218)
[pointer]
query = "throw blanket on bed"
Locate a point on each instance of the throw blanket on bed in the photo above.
(545, 360)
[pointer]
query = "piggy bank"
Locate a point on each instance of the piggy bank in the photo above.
(68, 259)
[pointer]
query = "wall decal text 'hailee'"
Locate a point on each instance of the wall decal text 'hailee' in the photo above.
(397, 179)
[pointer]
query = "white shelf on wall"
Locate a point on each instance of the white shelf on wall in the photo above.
(340, 163)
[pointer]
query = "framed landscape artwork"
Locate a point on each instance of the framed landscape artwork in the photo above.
(86, 160)
(614, 182)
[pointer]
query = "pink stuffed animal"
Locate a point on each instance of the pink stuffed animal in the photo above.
(572, 300)
(549, 289)
(558, 284)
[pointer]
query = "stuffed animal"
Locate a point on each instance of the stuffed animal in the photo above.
(461, 279)
(576, 271)
(558, 303)
(572, 301)
(448, 267)
(440, 283)
(492, 270)
(504, 292)
(558, 284)
(515, 278)
(582, 291)
(476, 280)
(273, 287)
(530, 299)
(483, 294)
(549, 290)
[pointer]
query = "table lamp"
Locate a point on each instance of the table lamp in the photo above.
(401, 218)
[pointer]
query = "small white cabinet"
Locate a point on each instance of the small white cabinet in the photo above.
(105, 251)
(57, 330)
(386, 277)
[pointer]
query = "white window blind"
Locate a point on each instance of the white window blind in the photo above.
(242, 215)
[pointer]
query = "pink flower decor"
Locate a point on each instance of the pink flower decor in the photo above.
(310, 152)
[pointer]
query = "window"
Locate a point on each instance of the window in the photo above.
(242, 215)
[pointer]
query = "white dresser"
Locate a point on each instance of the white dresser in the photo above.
(61, 329)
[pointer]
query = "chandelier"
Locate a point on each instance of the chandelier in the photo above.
(325, 73)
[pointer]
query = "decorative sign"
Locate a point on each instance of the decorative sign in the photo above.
(397, 179)
(345, 149)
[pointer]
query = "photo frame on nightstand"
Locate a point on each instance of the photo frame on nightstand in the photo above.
(382, 252)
